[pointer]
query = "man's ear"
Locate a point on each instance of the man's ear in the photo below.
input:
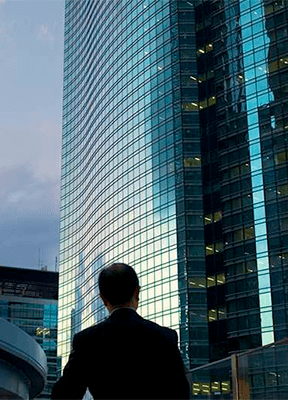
(136, 293)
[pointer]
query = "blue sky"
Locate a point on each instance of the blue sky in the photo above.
(31, 64)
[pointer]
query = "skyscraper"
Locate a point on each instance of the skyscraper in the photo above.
(173, 161)
(241, 48)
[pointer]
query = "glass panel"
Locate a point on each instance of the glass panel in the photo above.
(211, 281)
(217, 216)
(221, 279)
(208, 219)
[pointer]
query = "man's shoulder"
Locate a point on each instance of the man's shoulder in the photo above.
(161, 330)
(90, 331)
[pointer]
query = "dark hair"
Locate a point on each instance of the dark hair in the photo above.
(117, 283)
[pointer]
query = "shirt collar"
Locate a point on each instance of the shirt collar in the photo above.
(121, 308)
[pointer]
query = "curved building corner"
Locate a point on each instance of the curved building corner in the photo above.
(23, 366)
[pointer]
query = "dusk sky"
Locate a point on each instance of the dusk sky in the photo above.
(31, 63)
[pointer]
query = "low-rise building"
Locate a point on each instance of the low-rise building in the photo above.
(23, 366)
(28, 299)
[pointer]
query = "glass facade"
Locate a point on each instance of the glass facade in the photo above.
(174, 160)
(28, 299)
(126, 183)
(241, 47)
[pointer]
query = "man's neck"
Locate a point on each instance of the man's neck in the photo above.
(131, 307)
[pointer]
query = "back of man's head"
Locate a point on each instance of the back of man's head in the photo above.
(117, 283)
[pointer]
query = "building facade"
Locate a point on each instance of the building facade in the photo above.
(23, 364)
(242, 62)
(174, 161)
(28, 299)
(125, 194)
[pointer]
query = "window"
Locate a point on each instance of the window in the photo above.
(197, 282)
(208, 219)
(212, 315)
(213, 217)
(209, 249)
(283, 190)
(217, 216)
(211, 281)
(221, 279)
(249, 232)
(281, 157)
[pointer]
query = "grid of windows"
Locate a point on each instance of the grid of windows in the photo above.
(244, 167)
(118, 200)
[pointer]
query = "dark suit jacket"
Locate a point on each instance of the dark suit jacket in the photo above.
(124, 357)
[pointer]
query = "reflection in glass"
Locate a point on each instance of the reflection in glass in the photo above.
(255, 75)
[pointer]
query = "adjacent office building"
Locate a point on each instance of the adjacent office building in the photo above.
(28, 299)
(174, 160)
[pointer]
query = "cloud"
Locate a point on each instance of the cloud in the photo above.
(33, 141)
(29, 218)
(22, 195)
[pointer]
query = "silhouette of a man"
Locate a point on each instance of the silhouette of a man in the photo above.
(126, 356)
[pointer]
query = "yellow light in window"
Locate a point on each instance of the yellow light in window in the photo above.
(201, 51)
(39, 331)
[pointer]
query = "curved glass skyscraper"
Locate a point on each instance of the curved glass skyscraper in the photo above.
(175, 161)
(123, 172)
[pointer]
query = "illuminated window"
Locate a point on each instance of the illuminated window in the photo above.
(209, 249)
(215, 387)
(217, 216)
(211, 281)
(197, 282)
(249, 232)
(281, 157)
(212, 315)
(221, 279)
(213, 217)
(196, 388)
(192, 161)
(205, 388)
(208, 219)
(283, 190)
(193, 106)
(39, 331)
(200, 51)
(209, 47)
(225, 386)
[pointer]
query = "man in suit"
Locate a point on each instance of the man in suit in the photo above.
(125, 356)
